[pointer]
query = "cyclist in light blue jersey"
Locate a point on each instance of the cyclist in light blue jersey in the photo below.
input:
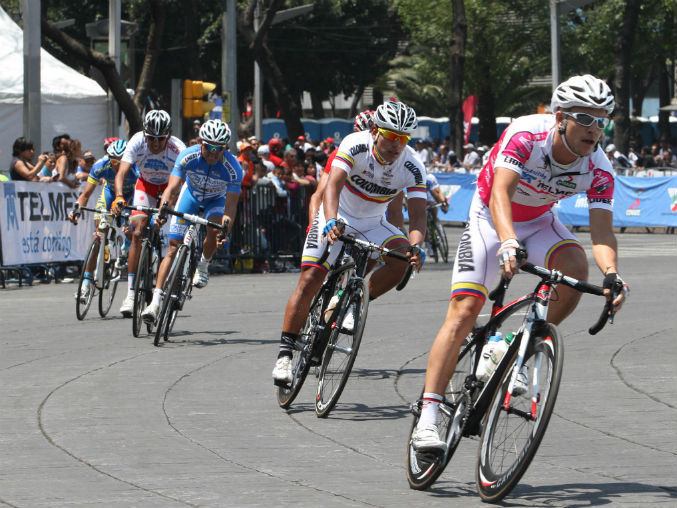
(105, 169)
(207, 175)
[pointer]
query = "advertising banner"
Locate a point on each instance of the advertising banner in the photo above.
(34, 225)
(644, 202)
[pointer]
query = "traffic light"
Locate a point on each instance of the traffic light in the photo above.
(194, 105)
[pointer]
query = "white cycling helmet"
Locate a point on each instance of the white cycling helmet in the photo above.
(364, 120)
(215, 131)
(396, 116)
(116, 148)
(585, 91)
(157, 123)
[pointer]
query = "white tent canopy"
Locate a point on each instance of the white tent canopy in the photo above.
(71, 102)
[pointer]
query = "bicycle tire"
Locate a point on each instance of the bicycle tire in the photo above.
(171, 289)
(186, 290)
(341, 351)
(143, 289)
(434, 242)
(111, 277)
(80, 307)
(510, 440)
(424, 468)
(301, 353)
(443, 245)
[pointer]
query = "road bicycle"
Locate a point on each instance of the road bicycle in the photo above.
(510, 410)
(178, 286)
(323, 341)
(436, 238)
(105, 247)
(146, 269)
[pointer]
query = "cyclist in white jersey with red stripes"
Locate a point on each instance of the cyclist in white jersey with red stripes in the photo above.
(154, 151)
(538, 160)
(370, 169)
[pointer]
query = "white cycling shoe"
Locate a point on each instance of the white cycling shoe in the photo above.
(427, 437)
(282, 373)
(127, 306)
(149, 314)
(201, 277)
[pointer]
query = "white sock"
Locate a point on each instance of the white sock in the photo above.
(431, 404)
(157, 296)
(130, 284)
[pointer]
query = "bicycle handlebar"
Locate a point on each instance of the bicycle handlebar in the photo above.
(77, 208)
(578, 285)
(197, 219)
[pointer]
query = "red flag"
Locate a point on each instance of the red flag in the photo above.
(469, 105)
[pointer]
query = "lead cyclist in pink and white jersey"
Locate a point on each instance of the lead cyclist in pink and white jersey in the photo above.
(154, 151)
(538, 160)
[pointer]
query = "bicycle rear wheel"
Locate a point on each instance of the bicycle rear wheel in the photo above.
(82, 304)
(424, 467)
(143, 290)
(512, 434)
(303, 349)
(341, 350)
(434, 241)
(111, 276)
(171, 289)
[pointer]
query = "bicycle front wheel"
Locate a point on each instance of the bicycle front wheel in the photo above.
(82, 304)
(301, 354)
(423, 468)
(341, 350)
(111, 276)
(172, 292)
(442, 243)
(515, 425)
(143, 289)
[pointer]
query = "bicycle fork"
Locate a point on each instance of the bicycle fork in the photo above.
(537, 312)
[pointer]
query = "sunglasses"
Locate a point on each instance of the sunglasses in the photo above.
(587, 120)
(213, 148)
(155, 138)
(394, 136)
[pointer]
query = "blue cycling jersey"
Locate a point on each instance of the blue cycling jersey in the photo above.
(104, 169)
(205, 181)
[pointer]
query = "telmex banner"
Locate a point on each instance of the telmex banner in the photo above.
(637, 201)
(34, 225)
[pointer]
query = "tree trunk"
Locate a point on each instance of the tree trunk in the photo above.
(104, 64)
(316, 106)
(357, 96)
(153, 45)
(663, 100)
(459, 33)
(623, 56)
(290, 106)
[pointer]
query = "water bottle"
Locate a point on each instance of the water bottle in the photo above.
(485, 368)
(332, 305)
(498, 352)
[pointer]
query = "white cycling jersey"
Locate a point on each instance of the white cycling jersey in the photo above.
(371, 184)
(153, 168)
(526, 148)
(431, 184)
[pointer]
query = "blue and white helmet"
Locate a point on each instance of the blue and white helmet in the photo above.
(396, 116)
(116, 148)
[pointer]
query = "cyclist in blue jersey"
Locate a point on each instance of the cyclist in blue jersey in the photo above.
(104, 170)
(207, 175)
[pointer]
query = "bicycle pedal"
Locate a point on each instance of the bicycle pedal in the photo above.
(281, 384)
(415, 408)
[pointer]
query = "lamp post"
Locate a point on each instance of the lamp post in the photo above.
(558, 7)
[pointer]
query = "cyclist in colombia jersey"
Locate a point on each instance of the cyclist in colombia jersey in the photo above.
(369, 170)
(538, 160)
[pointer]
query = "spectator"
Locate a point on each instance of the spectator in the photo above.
(196, 128)
(193, 141)
(245, 158)
(21, 168)
(666, 159)
(85, 166)
(59, 143)
(422, 153)
(328, 145)
(618, 160)
(67, 162)
(275, 148)
(255, 142)
(452, 162)
(645, 159)
(49, 173)
(471, 159)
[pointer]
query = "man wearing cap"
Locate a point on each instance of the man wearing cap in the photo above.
(471, 159)
(275, 147)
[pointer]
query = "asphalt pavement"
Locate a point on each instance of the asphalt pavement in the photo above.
(91, 416)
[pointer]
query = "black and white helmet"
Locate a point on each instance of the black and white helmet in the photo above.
(215, 131)
(396, 116)
(157, 123)
(585, 91)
